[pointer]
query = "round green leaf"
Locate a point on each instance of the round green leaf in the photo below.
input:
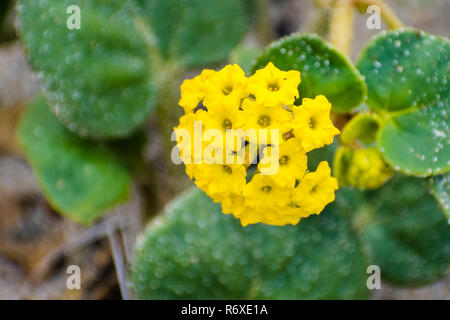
(416, 143)
(195, 252)
(440, 188)
(407, 77)
(405, 232)
(196, 32)
(97, 78)
(324, 70)
(79, 178)
(192, 252)
(406, 69)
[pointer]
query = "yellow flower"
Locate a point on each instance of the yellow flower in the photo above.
(224, 179)
(233, 203)
(312, 123)
(292, 162)
(262, 192)
(316, 189)
(224, 118)
(275, 216)
(193, 90)
(191, 150)
(288, 215)
(251, 215)
(259, 117)
(228, 86)
(273, 87)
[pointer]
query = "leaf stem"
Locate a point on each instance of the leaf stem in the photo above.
(118, 258)
(263, 23)
(386, 11)
(341, 25)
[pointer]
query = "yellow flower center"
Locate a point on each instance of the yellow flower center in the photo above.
(227, 124)
(284, 160)
(227, 169)
(273, 86)
(227, 90)
(312, 123)
(264, 121)
(266, 189)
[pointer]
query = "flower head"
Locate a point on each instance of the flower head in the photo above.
(224, 118)
(273, 87)
(292, 162)
(245, 146)
(312, 124)
(264, 119)
(190, 149)
(263, 192)
(193, 91)
(224, 179)
(228, 86)
(316, 189)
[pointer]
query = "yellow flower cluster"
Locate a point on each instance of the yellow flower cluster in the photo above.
(227, 100)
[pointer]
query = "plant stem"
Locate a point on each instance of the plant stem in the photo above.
(118, 258)
(386, 11)
(263, 22)
(341, 25)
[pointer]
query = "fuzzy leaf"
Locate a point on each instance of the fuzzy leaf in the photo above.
(416, 143)
(195, 32)
(97, 79)
(405, 232)
(195, 252)
(407, 76)
(324, 70)
(79, 178)
(440, 188)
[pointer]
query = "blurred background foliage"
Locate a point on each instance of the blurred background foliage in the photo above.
(122, 72)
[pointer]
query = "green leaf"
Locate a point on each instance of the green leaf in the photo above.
(363, 126)
(405, 232)
(416, 143)
(407, 77)
(324, 70)
(194, 251)
(79, 178)
(196, 32)
(97, 79)
(440, 188)
(406, 69)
